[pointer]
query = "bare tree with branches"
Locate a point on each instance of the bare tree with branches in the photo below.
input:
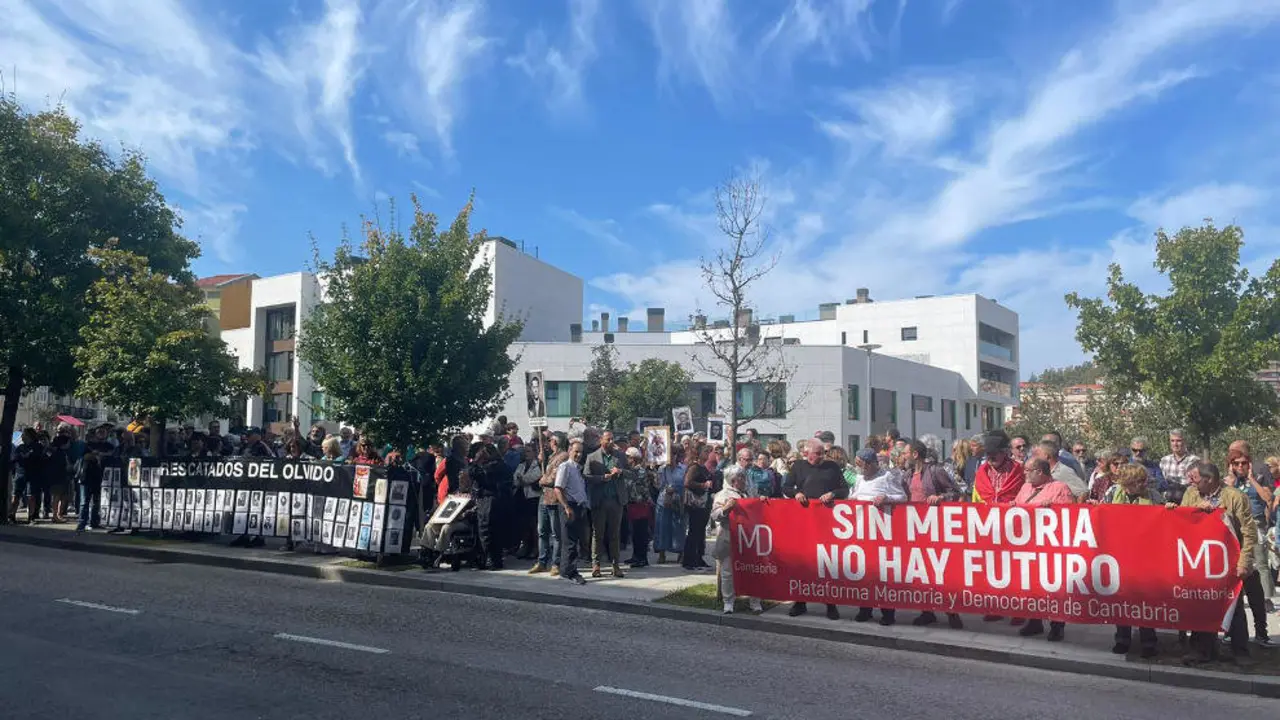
(737, 354)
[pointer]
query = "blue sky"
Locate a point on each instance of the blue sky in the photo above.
(1008, 147)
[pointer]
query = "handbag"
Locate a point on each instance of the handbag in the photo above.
(693, 500)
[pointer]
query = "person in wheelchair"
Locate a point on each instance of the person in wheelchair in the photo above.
(451, 533)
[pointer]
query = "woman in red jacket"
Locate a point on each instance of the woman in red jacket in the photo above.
(998, 478)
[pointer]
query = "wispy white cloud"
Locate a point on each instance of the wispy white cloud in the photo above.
(216, 228)
(908, 116)
(404, 143)
(828, 27)
(711, 43)
(318, 70)
(444, 49)
(1223, 203)
(607, 230)
(905, 231)
(129, 77)
(561, 69)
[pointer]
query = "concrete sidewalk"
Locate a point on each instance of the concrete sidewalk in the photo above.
(1086, 649)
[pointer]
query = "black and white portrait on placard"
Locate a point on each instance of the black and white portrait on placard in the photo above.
(449, 510)
(536, 393)
(715, 430)
(399, 492)
(683, 417)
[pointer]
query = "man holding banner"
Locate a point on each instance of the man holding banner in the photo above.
(813, 476)
(1207, 492)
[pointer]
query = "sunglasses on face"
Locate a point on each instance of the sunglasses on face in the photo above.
(1239, 463)
(1138, 451)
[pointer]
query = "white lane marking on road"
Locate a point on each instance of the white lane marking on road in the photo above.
(96, 606)
(739, 712)
(331, 643)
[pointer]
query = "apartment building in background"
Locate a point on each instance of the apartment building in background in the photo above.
(259, 319)
(941, 365)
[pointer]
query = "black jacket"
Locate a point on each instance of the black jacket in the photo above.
(816, 481)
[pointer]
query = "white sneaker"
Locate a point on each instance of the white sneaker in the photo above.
(728, 607)
(755, 606)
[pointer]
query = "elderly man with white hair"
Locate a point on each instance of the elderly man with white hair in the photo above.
(722, 506)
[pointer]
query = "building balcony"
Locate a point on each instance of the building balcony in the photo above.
(993, 350)
(995, 387)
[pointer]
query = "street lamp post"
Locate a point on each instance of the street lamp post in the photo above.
(869, 348)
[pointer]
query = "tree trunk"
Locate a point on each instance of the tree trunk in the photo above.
(157, 437)
(12, 396)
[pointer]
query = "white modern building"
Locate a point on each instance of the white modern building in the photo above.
(941, 365)
(259, 318)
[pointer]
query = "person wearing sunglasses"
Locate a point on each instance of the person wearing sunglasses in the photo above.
(1138, 455)
(1241, 476)
(1020, 447)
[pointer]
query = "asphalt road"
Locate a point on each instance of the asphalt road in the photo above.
(88, 636)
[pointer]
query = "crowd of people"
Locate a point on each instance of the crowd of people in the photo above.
(591, 494)
(588, 498)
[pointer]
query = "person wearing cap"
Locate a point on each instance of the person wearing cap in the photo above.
(999, 478)
(883, 487)
(813, 476)
(254, 446)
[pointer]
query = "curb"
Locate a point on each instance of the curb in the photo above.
(1262, 686)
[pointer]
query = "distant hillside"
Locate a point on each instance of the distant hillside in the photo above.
(1084, 374)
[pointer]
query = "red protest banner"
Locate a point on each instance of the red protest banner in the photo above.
(1108, 564)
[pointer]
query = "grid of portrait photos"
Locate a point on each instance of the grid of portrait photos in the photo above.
(142, 498)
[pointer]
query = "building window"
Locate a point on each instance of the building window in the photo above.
(893, 407)
(865, 335)
(949, 414)
(852, 396)
(755, 401)
(279, 325)
(564, 398)
(844, 338)
(319, 408)
(968, 417)
(922, 403)
(280, 409)
(908, 333)
(855, 444)
(280, 367)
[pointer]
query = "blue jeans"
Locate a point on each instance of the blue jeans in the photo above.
(548, 535)
(89, 500)
(670, 531)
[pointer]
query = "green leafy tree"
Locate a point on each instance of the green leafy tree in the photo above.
(650, 389)
(1197, 348)
(603, 379)
(1043, 409)
(1086, 373)
(399, 342)
(146, 348)
(60, 196)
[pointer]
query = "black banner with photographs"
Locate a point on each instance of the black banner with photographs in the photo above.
(350, 508)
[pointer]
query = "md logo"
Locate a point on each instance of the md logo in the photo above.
(759, 539)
